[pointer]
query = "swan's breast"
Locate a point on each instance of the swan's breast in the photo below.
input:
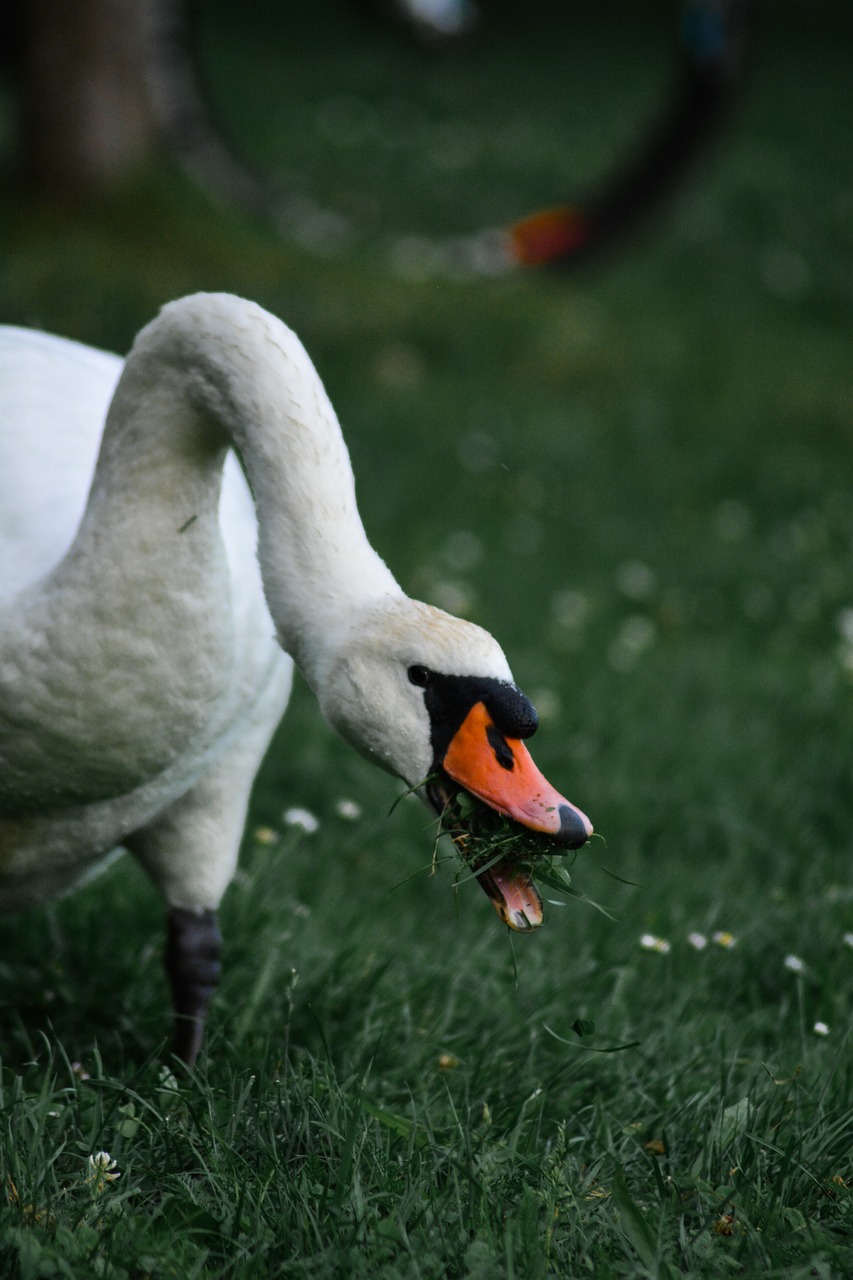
(104, 689)
(49, 853)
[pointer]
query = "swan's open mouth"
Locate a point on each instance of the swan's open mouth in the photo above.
(482, 762)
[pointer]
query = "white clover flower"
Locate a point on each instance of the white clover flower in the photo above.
(166, 1079)
(725, 939)
(795, 964)
(821, 1029)
(652, 943)
(102, 1169)
(698, 941)
(303, 818)
(348, 809)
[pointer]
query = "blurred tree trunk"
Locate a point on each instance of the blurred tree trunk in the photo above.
(86, 119)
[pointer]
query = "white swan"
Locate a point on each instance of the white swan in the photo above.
(148, 620)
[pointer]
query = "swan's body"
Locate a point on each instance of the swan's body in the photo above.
(120, 688)
(144, 642)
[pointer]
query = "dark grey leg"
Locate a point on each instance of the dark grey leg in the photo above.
(193, 955)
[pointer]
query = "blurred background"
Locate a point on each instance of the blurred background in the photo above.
(635, 471)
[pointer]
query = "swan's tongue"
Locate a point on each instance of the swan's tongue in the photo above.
(514, 896)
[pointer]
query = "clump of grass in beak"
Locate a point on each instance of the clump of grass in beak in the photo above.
(503, 856)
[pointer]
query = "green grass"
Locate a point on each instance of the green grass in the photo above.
(636, 475)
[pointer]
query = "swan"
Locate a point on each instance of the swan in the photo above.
(154, 596)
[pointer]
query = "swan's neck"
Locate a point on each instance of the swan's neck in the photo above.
(213, 371)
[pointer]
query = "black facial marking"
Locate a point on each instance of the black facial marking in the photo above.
(499, 745)
(449, 699)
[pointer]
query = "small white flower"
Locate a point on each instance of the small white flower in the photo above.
(301, 818)
(795, 964)
(698, 941)
(102, 1169)
(821, 1029)
(166, 1079)
(348, 809)
(848, 939)
(652, 943)
(725, 939)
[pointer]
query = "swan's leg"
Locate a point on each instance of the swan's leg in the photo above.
(193, 964)
(190, 852)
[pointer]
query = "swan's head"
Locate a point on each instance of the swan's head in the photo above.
(431, 699)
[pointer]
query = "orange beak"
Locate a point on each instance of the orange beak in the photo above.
(501, 772)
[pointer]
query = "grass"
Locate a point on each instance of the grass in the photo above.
(504, 857)
(637, 476)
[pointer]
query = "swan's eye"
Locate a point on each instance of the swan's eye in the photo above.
(419, 676)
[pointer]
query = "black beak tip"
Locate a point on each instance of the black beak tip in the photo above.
(573, 832)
